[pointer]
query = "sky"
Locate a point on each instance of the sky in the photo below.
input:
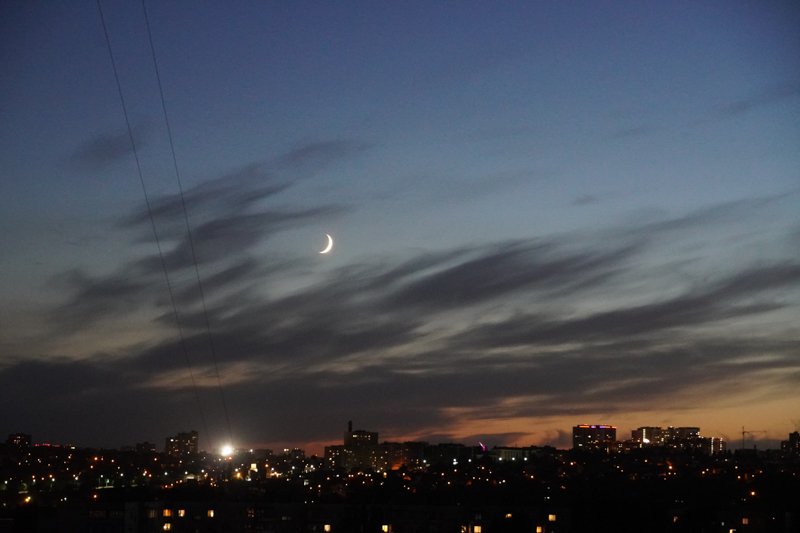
(544, 214)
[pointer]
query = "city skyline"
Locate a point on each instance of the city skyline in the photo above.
(686, 482)
(543, 215)
(186, 440)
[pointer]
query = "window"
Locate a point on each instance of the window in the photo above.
(745, 521)
(326, 528)
(167, 527)
(210, 513)
(181, 512)
(551, 518)
(166, 513)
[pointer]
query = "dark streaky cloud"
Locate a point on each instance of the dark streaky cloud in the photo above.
(364, 337)
(107, 148)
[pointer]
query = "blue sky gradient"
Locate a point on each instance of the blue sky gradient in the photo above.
(545, 214)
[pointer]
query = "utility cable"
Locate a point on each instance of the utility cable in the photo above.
(152, 220)
(188, 225)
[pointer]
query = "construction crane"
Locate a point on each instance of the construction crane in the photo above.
(751, 432)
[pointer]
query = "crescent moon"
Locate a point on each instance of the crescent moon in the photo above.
(329, 246)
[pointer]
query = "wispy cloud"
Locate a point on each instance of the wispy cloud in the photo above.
(104, 149)
(519, 327)
(229, 220)
(768, 96)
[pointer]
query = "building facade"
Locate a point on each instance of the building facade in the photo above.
(183, 444)
(593, 437)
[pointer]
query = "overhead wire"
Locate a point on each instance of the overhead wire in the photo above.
(190, 238)
(148, 204)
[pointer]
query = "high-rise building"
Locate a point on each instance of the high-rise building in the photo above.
(360, 450)
(359, 437)
(685, 437)
(19, 440)
(645, 435)
(593, 437)
(716, 445)
(183, 444)
(673, 435)
(408, 454)
(791, 446)
(145, 447)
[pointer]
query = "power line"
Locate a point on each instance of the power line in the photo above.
(186, 220)
(152, 219)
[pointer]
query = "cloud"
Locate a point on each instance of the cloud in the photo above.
(229, 235)
(503, 270)
(61, 399)
(234, 191)
(106, 148)
(228, 223)
(239, 191)
(712, 304)
(526, 328)
(585, 199)
(94, 298)
(768, 96)
(319, 340)
(633, 132)
(310, 157)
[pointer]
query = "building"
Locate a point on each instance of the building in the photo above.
(593, 437)
(359, 451)
(450, 452)
(791, 446)
(685, 437)
(19, 440)
(513, 453)
(359, 437)
(648, 435)
(673, 435)
(716, 445)
(183, 444)
(145, 447)
(403, 454)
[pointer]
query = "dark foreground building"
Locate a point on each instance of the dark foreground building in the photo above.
(48, 489)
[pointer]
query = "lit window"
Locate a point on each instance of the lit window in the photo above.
(386, 528)
(745, 521)
(509, 515)
(551, 518)
(167, 527)
(167, 512)
(539, 529)
(181, 512)
(210, 513)
(326, 528)
(477, 529)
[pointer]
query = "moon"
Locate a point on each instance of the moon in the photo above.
(329, 246)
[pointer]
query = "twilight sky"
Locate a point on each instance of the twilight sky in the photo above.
(545, 214)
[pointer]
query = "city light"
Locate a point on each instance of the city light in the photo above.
(364, 463)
